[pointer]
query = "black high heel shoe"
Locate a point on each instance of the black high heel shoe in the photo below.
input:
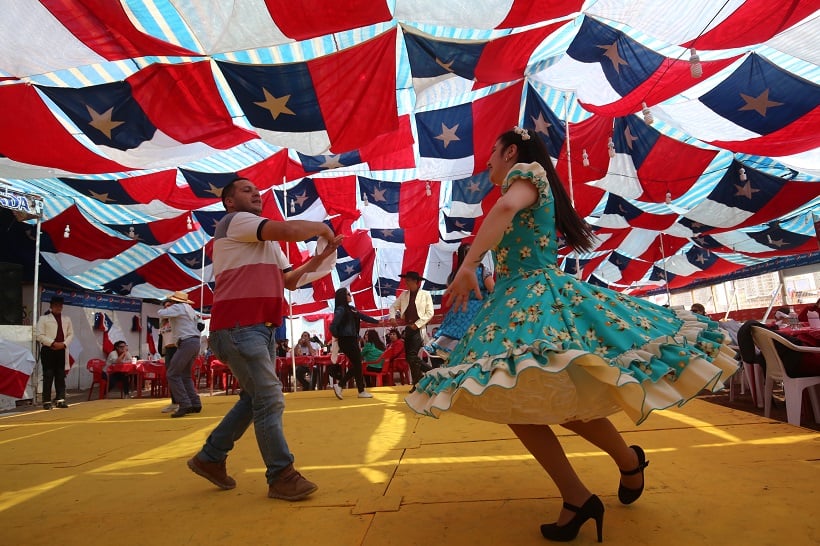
(593, 508)
(625, 494)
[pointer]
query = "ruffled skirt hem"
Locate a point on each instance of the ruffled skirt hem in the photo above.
(533, 385)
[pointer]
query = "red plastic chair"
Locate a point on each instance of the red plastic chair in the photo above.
(401, 367)
(199, 371)
(283, 370)
(96, 367)
(223, 372)
(384, 377)
(156, 374)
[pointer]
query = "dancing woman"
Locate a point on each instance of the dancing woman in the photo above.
(548, 349)
(345, 328)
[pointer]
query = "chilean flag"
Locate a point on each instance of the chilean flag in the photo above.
(759, 109)
(150, 120)
(485, 62)
(335, 103)
(111, 335)
(455, 142)
(31, 134)
(151, 339)
(615, 74)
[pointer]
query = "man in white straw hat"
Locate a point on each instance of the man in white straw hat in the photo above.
(177, 308)
(251, 273)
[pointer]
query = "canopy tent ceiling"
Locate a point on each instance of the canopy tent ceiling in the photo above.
(129, 116)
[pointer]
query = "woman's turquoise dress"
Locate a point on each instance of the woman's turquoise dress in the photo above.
(547, 348)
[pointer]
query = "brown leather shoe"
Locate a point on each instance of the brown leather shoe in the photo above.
(291, 486)
(213, 472)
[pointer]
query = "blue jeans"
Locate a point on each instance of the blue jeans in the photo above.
(250, 352)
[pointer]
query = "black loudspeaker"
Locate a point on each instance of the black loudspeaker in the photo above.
(11, 293)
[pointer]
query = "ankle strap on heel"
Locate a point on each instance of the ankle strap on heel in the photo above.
(634, 471)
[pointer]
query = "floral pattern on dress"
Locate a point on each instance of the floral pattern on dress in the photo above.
(541, 319)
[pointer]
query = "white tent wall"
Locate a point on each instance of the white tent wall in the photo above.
(88, 342)
(298, 325)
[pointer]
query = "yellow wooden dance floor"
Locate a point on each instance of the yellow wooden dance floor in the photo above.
(113, 471)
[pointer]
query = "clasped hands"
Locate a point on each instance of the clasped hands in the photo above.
(332, 244)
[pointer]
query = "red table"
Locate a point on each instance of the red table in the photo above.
(155, 372)
(320, 367)
(129, 369)
(810, 337)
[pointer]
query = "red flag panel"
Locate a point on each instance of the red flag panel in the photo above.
(493, 115)
(527, 12)
(85, 240)
(754, 22)
(182, 100)
(319, 17)
(356, 89)
(418, 213)
(106, 29)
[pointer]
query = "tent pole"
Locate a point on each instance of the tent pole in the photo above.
(290, 294)
(379, 285)
(665, 278)
(771, 302)
(730, 298)
(569, 175)
(35, 306)
(202, 277)
(783, 292)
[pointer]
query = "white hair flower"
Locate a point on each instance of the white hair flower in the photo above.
(523, 133)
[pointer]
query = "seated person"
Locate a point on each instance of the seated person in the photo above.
(282, 348)
(373, 351)
(395, 347)
(803, 315)
(698, 309)
(119, 355)
(781, 316)
(304, 347)
(795, 363)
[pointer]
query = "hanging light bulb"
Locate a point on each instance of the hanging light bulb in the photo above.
(131, 232)
(648, 118)
(585, 157)
(668, 197)
(293, 206)
(427, 189)
(67, 232)
(695, 67)
(611, 148)
(189, 223)
(742, 173)
(364, 199)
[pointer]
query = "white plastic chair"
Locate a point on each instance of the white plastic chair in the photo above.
(792, 386)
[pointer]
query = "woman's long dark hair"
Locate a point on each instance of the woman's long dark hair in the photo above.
(577, 233)
(461, 253)
(341, 298)
(373, 337)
